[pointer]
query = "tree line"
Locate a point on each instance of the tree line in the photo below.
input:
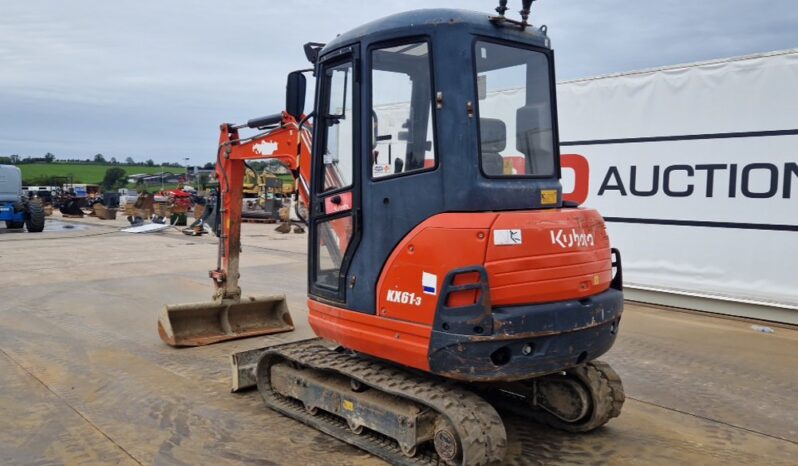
(97, 159)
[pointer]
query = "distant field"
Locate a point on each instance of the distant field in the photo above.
(94, 173)
(85, 173)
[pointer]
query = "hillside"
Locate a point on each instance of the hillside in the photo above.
(85, 173)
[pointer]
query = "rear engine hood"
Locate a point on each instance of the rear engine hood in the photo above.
(547, 255)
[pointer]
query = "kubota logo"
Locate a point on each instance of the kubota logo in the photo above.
(571, 239)
(265, 148)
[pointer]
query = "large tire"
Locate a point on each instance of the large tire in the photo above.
(34, 217)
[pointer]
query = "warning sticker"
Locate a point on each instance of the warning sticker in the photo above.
(548, 196)
(429, 283)
(507, 237)
(378, 170)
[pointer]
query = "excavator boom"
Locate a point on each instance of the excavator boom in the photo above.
(229, 316)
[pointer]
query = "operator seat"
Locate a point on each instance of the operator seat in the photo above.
(534, 138)
(493, 140)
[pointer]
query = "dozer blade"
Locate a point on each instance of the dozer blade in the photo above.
(206, 323)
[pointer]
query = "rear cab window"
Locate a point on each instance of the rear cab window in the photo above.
(515, 111)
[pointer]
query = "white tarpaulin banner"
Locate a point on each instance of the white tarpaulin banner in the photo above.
(695, 168)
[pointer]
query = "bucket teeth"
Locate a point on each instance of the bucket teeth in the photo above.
(199, 324)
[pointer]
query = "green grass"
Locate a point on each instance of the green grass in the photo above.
(86, 173)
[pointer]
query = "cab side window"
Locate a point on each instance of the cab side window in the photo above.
(402, 139)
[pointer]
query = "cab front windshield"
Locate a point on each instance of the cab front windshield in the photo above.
(515, 114)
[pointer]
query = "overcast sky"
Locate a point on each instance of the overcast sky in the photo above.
(154, 78)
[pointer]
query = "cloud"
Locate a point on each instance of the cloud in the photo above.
(153, 79)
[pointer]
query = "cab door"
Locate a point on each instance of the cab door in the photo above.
(334, 193)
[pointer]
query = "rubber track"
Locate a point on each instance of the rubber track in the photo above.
(480, 429)
(616, 395)
(602, 380)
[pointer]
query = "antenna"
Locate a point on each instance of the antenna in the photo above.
(526, 6)
(502, 7)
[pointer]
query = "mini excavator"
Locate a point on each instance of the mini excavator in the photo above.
(447, 278)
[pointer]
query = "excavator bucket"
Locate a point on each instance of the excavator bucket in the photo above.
(199, 324)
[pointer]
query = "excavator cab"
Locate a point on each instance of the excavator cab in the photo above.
(436, 205)
(423, 113)
(440, 243)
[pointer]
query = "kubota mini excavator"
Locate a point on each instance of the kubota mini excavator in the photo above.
(447, 278)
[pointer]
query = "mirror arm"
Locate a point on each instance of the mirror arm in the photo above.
(306, 118)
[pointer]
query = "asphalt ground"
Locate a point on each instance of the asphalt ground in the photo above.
(84, 378)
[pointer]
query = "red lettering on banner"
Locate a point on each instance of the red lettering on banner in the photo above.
(581, 168)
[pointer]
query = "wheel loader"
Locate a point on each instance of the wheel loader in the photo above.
(448, 281)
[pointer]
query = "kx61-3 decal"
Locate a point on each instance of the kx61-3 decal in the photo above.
(403, 297)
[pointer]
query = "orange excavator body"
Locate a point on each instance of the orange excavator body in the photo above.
(433, 244)
(455, 255)
(545, 268)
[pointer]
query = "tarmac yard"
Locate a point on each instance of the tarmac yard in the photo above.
(84, 378)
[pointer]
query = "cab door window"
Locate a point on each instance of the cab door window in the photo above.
(401, 110)
(333, 226)
(333, 238)
(337, 156)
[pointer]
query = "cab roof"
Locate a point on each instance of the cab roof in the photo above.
(427, 21)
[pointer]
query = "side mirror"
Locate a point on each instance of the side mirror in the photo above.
(295, 94)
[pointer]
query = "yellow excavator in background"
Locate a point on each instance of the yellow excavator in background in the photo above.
(264, 195)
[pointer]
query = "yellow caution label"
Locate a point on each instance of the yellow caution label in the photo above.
(548, 196)
(348, 405)
(507, 167)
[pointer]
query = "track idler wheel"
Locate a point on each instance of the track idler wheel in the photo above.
(446, 444)
(580, 400)
(565, 398)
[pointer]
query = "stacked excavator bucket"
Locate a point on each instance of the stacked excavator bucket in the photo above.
(200, 324)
